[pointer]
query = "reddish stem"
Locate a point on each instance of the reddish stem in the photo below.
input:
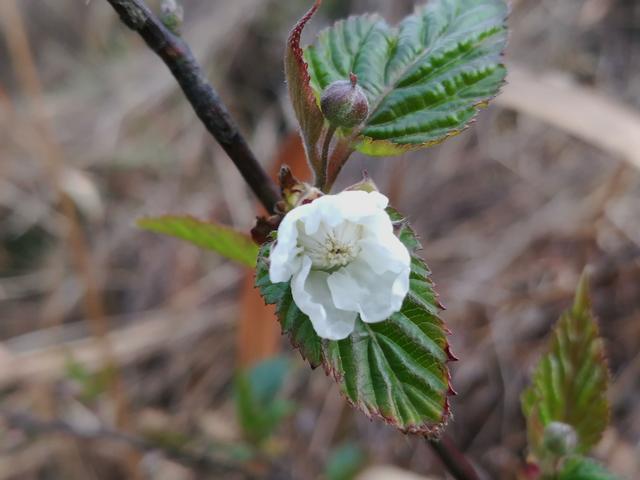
(453, 459)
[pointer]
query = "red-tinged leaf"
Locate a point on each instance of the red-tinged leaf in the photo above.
(303, 98)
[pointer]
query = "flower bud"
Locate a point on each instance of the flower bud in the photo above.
(365, 185)
(344, 103)
(560, 438)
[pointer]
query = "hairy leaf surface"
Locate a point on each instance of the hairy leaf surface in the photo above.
(395, 369)
(425, 79)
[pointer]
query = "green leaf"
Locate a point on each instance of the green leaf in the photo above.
(396, 369)
(581, 468)
(226, 241)
(93, 384)
(570, 382)
(267, 378)
(425, 79)
(345, 462)
(258, 406)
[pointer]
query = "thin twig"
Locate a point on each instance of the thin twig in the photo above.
(177, 55)
(453, 459)
(196, 461)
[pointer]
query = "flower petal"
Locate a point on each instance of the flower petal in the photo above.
(384, 253)
(350, 205)
(283, 261)
(375, 296)
(313, 297)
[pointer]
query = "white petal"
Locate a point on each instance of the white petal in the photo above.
(312, 296)
(283, 255)
(385, 253)
(351, 205)
(374, 296)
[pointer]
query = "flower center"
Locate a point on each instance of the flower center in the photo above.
(331, 248)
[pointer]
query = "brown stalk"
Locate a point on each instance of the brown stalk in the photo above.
(214, 115)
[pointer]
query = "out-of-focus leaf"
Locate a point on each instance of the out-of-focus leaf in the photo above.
(345, 462)
(259, 408)
(395, 369)
(581, 468)
(570, 382)
(168, 439)
(425, 79)
(226, 241)
(93, 384)
(267, 378)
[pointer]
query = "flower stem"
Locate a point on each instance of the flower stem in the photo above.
(212, 112)
(453, 459)
(321, 181)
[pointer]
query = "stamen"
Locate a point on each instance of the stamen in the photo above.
(332, 248)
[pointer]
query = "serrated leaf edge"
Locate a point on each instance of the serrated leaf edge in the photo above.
(428, 429)
(383, 148)
(582, 302)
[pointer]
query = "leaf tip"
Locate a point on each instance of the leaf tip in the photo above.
(296, 32)
(582, 299)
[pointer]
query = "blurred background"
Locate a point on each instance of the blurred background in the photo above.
(121, 348)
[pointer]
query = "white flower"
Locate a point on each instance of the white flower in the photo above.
(343, 259)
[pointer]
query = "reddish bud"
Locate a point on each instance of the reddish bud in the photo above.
(344, 103)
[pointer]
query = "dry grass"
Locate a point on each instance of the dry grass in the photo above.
(96, 135)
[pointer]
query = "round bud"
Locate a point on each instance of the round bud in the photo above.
(365, 185)
(344, 103)
(560, 438)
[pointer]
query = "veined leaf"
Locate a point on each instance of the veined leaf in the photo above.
(395, 369)
(581, 468)
(226, 241)
(570, 382)
(425, 79)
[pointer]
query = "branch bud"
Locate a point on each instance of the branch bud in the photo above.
(365, 185)
(172, 15)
